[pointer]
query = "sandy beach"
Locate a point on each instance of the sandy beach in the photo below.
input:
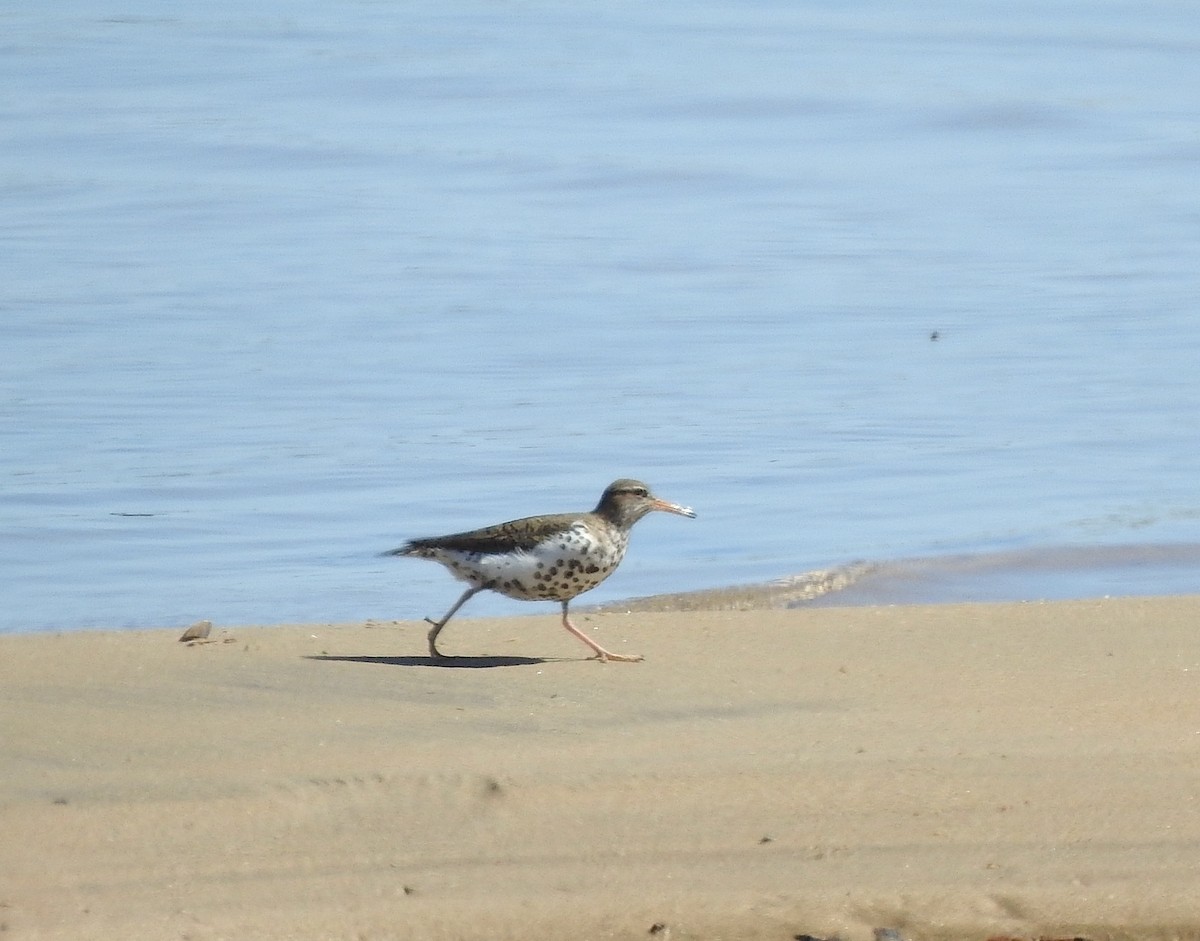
(959, 771)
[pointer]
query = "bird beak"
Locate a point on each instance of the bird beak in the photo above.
(675, 508)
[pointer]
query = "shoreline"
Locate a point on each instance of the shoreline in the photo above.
(1037, 572)
(947, 771)
(1063, 572)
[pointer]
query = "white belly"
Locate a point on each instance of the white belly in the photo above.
(557, 569)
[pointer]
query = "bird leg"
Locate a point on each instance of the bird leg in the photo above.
(438, 625)
(601, 654)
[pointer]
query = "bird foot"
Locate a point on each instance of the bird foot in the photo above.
(605, 656)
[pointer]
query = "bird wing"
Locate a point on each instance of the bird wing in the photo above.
(521, 535)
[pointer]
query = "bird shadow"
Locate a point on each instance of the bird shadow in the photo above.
(451, 663)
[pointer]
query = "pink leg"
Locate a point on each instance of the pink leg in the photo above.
(601, 654)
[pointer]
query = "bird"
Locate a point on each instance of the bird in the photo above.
(547, 558)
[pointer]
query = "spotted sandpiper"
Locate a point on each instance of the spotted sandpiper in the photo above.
(544, 558)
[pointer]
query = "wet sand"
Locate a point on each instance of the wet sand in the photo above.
(955, 771)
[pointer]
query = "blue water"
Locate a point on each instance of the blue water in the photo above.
(284, 285)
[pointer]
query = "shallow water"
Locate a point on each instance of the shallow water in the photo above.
(284, 287)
